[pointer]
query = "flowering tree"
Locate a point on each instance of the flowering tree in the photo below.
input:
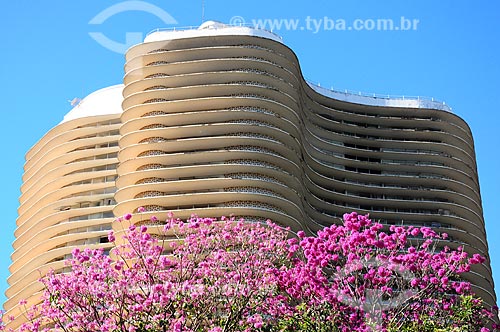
(218, 278)
(358, 277)
(227, 275)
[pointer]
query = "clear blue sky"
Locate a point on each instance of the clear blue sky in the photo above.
(48, 58)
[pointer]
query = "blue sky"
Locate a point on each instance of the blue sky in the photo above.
(48, 58)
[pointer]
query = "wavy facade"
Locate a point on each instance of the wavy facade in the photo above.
(220, 121)
(67, 195)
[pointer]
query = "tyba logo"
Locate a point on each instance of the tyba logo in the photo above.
(131, 38)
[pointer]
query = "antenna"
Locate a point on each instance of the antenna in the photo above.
(75, 101)
(202, 11)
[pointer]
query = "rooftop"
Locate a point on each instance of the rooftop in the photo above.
(210, 28)
(101, 102)
(108, 100)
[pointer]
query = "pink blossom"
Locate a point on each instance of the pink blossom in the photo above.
(261, 274)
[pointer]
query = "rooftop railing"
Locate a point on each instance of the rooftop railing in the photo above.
(214, 27)
(364, 98)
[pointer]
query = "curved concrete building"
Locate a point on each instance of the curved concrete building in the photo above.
(66, 196)
(219, 120)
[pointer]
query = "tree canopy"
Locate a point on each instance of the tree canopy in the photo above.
(205, 274)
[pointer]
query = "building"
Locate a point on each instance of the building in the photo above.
(219, 120)
(67, 194)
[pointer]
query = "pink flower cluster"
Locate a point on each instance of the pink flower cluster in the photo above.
(214, 275)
